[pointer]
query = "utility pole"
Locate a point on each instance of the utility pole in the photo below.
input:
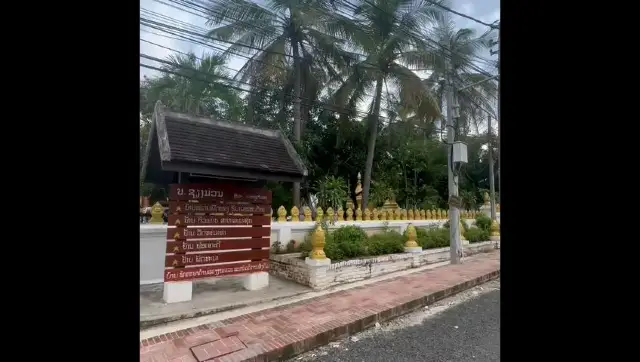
(498, 120)
(454, 212)
(492, 186)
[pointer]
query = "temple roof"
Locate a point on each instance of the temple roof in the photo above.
(183, 143)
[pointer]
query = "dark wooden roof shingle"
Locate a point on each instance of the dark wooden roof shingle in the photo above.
(188, 140)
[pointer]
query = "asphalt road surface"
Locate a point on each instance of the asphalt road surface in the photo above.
(468, 331)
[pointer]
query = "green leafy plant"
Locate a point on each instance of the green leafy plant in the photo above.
(291, 246)
(331, 192)
(475, 235)
(305, 247)
(350, 240)
(276, 247)
(483, 222)
(380, 193)
(432, 237)
(387, 242)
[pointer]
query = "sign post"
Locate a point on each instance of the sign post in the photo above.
(216, 231)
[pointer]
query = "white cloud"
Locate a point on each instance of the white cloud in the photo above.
(467, 8)
(491, 17)
(162, 39)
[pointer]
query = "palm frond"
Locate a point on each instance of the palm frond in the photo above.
(414, 93)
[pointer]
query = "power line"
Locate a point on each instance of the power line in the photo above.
(492, 26)
(180, 52)
(175, 50)
(160, 25)
(206, 10)
(411, 33)
(323, 105)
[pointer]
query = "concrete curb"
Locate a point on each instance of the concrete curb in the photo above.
(337, 331)
(147, 322)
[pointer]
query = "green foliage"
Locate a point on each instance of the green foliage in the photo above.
(281, 195)
(349, 242)
(387, 242)
(409, 160)
(469, 199)
(331, 192)
(483, 222)
(276, 247)
(192, 85)
(291, 246)
(432, 237)
(305, 246)
(475, 235)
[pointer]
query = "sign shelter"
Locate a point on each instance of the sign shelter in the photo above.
(219, 208)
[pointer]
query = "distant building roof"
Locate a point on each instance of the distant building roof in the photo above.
(183, 143)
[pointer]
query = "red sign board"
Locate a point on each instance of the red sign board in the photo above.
(218, 207)
(179, 260)
(203, 192)
(212, 271)
(174, 233)
(233, 212)
(188, 220)
(183, 246)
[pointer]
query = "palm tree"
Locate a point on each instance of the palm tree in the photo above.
(386, 31)
(284, 43)
(458, 49)
(193, 85)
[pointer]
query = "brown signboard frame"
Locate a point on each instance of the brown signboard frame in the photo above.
(180, 260)
(212, 220)
(182, 246)
(213, 271)
(218, 207)
(246, 211)
(194, 233)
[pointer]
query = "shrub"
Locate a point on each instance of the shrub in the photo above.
(343, 243)
(276, 246)
(305, 246)
(291, 246)
(483, 222)
(387, 242)
(477, 234)
(350, 240)
(433, 237)
(464, 225)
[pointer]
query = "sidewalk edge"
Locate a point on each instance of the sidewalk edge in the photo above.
(335, 331)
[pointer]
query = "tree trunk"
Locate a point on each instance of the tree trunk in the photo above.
(297, 115)
(371, 143)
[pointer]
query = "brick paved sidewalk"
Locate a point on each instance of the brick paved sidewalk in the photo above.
(285, 331)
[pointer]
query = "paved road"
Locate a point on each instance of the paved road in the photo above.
(477, 337)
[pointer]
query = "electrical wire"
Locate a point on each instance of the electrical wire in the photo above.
(330, 107)
(175, 21)
(205, 10)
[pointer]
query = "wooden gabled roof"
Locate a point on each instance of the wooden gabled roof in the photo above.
(182, 143)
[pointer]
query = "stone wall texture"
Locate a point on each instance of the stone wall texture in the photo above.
(292, 267)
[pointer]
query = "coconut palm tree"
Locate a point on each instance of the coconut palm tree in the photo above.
(387, 32)
(458, 50)
(284, 42)
(193, 85)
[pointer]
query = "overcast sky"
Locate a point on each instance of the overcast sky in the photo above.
(485, 10)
